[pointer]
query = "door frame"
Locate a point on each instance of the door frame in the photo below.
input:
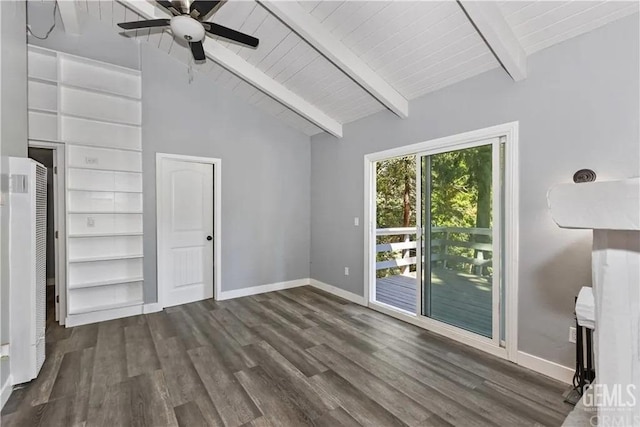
(509, 131)
(217, 218)
(59, 220)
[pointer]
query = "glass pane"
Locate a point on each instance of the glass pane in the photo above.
(458, 239)
(396, 233)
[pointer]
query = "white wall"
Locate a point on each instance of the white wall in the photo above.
(578, 108)
(13, 136)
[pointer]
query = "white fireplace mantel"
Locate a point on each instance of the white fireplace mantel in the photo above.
(612, 210)
(606, 205)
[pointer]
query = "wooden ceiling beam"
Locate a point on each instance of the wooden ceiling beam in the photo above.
(309, 29)
(249, 73)
(496, 32)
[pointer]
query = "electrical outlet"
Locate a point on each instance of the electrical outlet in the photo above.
(346, 271)
(573, 334)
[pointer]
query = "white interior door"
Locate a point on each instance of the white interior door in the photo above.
(186, 249)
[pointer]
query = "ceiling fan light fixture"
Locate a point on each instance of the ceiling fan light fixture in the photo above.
(187, 28)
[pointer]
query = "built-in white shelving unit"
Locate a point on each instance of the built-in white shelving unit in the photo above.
(94, 109)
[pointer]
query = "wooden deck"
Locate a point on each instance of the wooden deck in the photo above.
(459, 299)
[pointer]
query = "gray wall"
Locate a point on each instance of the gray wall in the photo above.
(13, 135)
(577, 108)
(265, 173)
(98, 40)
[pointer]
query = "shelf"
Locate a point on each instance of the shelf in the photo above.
(104, 191)
(88, 61)
(43, 110)
(105, 258)
(107, 169)
(43, 80)
(111, 122)
(106, 212)
(44, 51)
(84, 144)
(72, 236)
(106, 307)
(99, 91)
(105, 283)
(34, 139)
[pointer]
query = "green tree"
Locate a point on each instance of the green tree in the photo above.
(396, 201)
(460, 184)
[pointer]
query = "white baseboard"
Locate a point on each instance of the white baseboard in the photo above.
(102, 315)
(151, 307)
(5, 393)
(535, 363)
(349, 296)
(255, 290)
(545, 367)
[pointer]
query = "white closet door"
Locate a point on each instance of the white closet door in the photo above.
(186, 258)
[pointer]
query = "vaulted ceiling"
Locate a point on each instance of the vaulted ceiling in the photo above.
(322, 64)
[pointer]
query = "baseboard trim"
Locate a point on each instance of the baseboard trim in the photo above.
(334, 290)
(535, 363)
(6, 391)
(152, 307)
(255, 290)
(546, 367)
(102, 315)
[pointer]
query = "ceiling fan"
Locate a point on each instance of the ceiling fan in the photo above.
(188, 23)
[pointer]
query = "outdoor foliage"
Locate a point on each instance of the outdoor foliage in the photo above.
(460, 197)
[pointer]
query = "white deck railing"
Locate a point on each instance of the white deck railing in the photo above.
(401, 251)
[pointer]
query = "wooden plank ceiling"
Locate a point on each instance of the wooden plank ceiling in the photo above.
(416, 47)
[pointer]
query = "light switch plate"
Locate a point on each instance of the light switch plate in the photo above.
(356, 221)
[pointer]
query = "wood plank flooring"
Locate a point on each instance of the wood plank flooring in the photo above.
(290, 358)
(456, 298)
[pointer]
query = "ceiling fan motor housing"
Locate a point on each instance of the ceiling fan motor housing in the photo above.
(187, 28)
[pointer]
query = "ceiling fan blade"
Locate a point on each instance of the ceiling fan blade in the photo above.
(144, 24)
(198, 51)
(200, 9)
(230, 34)
(170, 7)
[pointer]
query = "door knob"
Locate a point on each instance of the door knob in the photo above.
(209, 238)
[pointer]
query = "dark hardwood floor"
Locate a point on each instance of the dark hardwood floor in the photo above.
(287, 358)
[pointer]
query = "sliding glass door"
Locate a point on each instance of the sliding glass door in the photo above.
(441, 241)
(460, 208)
(438, 236)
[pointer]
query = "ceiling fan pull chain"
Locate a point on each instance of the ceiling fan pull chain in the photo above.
(190, 70)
